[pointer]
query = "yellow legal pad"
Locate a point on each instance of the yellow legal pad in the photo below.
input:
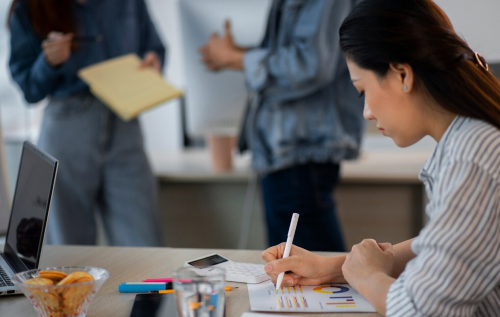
(126, 89)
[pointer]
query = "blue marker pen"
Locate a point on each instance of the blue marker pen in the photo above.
(139, 287)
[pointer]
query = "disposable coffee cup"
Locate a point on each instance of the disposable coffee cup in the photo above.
(221, 145)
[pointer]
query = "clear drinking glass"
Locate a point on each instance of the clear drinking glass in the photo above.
(200, 296)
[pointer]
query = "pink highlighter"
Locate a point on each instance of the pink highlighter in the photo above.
(163, 280)
(157, 280)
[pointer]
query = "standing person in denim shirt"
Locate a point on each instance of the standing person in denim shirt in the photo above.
(304, 119)
(103, 166)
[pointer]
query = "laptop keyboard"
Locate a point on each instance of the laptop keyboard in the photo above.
(4, 279)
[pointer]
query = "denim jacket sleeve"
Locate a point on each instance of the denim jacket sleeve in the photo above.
(27, 63)
(310, 59)
(150, 41)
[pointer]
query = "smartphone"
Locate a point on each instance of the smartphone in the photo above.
(155, 305)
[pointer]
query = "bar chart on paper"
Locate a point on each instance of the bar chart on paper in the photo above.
(322, 298)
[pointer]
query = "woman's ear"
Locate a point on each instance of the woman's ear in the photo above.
(405, 75)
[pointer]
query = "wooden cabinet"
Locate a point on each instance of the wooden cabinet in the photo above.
(379, 197)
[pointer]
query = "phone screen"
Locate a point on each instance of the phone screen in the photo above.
(154, 305)
(208, 261)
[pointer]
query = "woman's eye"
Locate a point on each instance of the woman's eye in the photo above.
(361, 94)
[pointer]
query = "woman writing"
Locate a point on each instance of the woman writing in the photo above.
(419, 78)
(103, 166)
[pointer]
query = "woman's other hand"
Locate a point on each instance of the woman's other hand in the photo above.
(303, 267)
(366, 260)
(57, 48)
(152, 60)
(220, 51)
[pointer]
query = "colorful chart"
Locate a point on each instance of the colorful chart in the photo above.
(291, 302)
(288, 290)
(343, 301)
(338, 301)
(323, 298)
(337, 289)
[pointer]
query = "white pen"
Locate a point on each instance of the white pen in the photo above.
(288, 245)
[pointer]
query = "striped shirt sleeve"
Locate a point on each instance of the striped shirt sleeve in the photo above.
(457, 252)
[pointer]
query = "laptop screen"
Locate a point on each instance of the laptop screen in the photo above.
(30, 205)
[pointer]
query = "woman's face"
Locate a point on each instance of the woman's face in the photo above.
(396, 110)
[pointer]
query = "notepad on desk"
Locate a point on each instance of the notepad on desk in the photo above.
(125, 88)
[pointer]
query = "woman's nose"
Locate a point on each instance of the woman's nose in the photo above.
(367, 113)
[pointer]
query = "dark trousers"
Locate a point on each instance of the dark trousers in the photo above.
(307, 190)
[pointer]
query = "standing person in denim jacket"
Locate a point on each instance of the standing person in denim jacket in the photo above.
(304, 119)
(103, 166)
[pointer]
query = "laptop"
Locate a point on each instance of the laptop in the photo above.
(29, 215)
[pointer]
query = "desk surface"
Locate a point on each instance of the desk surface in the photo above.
(136, 264)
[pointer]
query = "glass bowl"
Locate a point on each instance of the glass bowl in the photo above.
(61, 300)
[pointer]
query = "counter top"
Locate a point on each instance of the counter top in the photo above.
(387, 166)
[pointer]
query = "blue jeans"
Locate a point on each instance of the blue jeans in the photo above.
(102, 169)
(307, 190)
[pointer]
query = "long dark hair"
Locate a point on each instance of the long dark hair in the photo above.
(417, 32)
(48, 15)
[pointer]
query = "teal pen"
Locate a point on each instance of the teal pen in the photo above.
(139, 287)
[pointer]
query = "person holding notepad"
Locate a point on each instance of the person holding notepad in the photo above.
(420, 78)
(103, 165)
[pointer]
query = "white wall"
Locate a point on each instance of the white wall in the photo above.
(162, 125)
(478, 21)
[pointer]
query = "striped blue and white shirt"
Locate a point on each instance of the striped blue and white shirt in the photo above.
(457, 268)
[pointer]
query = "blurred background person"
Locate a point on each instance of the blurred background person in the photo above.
(103, 166)
(304, 118)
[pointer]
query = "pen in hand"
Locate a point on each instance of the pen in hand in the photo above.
(288, 245)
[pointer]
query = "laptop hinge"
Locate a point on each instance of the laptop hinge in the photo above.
(16, 266)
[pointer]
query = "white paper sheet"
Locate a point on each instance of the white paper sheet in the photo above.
(323, 298)
(249, 314)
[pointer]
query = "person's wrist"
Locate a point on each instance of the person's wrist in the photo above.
(236, 58)
(375, 278)
(333, 265)
(374, 287)
(50, 62)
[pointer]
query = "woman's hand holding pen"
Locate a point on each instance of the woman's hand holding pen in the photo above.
(152, 60)
(303, 267)
(57, 48)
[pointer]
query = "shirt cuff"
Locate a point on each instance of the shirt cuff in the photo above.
(42, 69)
(255, 68)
